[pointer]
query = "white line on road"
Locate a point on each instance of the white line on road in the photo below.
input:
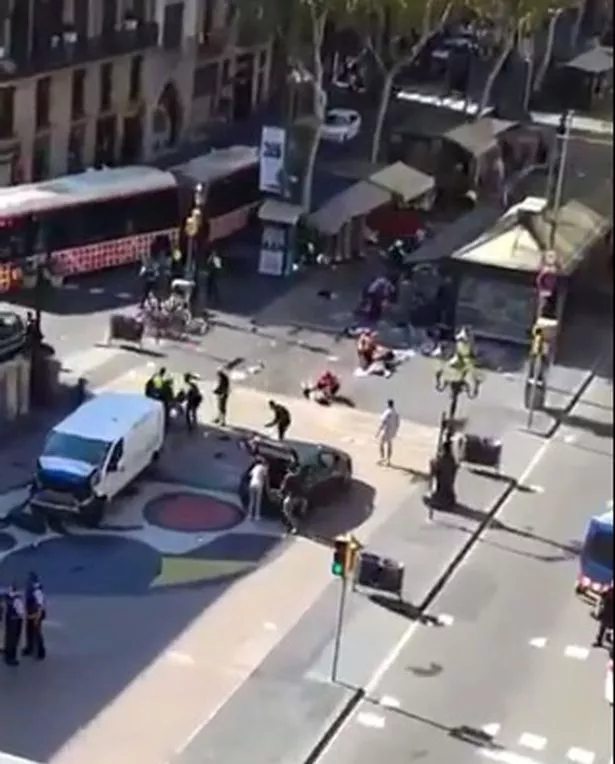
(445, 620)
(538, 642)
(535, 742)
(388, 702)
(506, 757)
(492, 729)
(581, 756)
(87, 360)
(375, 721)
(398, 649)
(180, 659)
(576, 652)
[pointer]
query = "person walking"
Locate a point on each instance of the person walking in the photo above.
(605, 616)
(222, 392)
(387, 432)
(281, 419)
(293, 500)
(35, 615)
(193, 399)
(257, 488)
(13, 615)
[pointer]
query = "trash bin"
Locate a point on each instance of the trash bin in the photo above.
(535, 394)
(381, 574)
(125, 328)
(481, 451)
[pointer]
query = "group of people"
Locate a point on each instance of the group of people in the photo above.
(188, 398)
(22, 616)
(290, 496)
(158, 272)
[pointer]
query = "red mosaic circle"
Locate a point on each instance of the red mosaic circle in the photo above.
(192, 513)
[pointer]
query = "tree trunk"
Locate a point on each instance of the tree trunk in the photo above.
(319, 107)
(546, 60)
(577, 26)
(390, 76)
(507, 50)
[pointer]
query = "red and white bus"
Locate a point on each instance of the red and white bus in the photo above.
(105, 218)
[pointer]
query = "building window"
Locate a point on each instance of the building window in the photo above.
(208, 18)
(43, 103)
(76, 146)
(40, 158)
(7, 112)
(77, 109)
(172, 30)
(81, 19)
(104, 150)
(20, 32)
(106, 86)
(136, 73)
(205, 81)
(109, 17)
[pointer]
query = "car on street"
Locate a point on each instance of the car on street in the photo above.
(341, 125)
(325, 472)
(608, 682)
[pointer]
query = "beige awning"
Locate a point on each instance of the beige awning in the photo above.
(477, 138)
(276, 211)
(599, 60)
(403, 181)
(356, 201)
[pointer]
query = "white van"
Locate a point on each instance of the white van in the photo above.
(95, 453)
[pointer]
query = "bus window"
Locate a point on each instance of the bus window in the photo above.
(233, 192)
(13, 234)
(600, 549)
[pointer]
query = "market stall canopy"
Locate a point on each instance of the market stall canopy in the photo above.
(519, 239)
(480, 137)
(599, 60)
(403, 181)
(276, 211)
(356, 201)
(374, 190)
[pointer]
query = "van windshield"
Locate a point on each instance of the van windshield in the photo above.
(75, 447)
(599, 548)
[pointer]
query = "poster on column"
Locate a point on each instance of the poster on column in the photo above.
(272, 152)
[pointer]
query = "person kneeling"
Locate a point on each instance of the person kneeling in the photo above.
(325, 389)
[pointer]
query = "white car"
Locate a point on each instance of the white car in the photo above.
(341, 125)
(608, 682)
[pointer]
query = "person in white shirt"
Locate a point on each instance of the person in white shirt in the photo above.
(257, 485)
(387, 432)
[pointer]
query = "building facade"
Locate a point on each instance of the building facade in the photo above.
(107, 82)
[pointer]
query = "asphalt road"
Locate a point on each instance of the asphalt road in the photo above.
(511, 676)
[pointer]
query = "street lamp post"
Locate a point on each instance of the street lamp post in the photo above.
(458, 376)
(563, 135)
(193, 226)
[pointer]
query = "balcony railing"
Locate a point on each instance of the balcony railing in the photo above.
(69, 50)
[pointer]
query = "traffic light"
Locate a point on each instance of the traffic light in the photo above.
(345, 550)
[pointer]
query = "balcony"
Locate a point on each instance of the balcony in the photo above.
(70, 50)
(9, 146)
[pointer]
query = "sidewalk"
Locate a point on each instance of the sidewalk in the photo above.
(150, 717)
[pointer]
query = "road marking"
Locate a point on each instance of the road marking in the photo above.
(180, 659)
(269, 626)
(388, 702)
(492, 729)
(538, 642)
(576, 652)
(535, 742)
(375, 721)
(536, 488)
(86, 361)
(404, 640)
(506, 757)
(581, 756)
(445, 620)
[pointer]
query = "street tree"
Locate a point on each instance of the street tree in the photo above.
(514, 21)
(416, 23)
(301, 26)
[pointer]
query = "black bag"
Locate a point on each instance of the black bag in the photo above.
(125, 328)
(381, 574)
(482, 452)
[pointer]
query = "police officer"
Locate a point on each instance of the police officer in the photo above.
(13, 624)
(193, 399)
(35, 615)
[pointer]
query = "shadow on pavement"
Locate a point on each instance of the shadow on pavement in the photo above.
(342, 516)
(404, 609)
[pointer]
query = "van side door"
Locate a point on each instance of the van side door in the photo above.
(114, 477)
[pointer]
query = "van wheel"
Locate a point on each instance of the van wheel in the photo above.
(93, 516)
